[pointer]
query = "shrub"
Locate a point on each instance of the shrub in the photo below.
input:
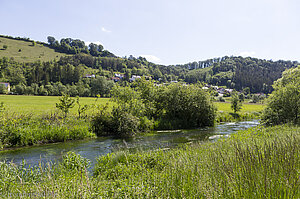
(221, 99)
(72, 161)
(124, 124)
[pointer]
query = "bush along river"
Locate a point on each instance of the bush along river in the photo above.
(93, 148)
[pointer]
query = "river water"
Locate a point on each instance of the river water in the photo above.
(93, 148)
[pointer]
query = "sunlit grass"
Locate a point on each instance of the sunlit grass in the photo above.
(247, 107)
(38, 105)
(23, 51)
(257, 163)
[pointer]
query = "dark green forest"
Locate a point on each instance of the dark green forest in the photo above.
(68, 74)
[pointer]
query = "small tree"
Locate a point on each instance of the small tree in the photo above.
(65, 104)
(81, 108)
(4, 47)
(236, 104)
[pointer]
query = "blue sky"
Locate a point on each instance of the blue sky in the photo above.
(163, 31)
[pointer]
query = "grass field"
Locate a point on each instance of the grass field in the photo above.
(46, 104)
(42, 104)
(28, 53)
(247, 107)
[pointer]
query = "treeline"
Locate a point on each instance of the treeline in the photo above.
(238, 72)
(52, 78)
(129, 66)
(76, 46)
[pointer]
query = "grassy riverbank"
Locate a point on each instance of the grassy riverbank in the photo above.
(25, 130)
(257, 163)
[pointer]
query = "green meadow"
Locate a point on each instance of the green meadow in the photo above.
(247, 107)
(39, 105)
(24, 51)
(46, 104)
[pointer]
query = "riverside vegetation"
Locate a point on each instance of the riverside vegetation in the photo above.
(257, 163)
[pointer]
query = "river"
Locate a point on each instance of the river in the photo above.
(94, 148)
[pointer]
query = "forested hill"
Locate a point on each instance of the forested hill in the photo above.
(31, 67)
(238, 72)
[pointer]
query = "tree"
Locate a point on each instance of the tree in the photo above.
(81, 108)
(51, 40)
(3, 89)
(236, 104)
(65, 104)
(4, 47)
(283, 105)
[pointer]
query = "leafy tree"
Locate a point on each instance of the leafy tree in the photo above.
(3, 89)
(4, 47)
(81, 108)
(51, 40)
(241, 97)
(65, 104)
(283, 105)
(236, 104)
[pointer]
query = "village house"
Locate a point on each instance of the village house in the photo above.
(134, 77)
(115, 79)
(89, 76)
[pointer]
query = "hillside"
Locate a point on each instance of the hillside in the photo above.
(238, 72)
(68, 61)
(25, 51)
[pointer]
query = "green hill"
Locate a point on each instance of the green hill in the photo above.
(25, 51)
(71, 58)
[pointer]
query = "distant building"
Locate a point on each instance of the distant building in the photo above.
(115, 79)
(121, 76)
(7, 85)
(89, 76)
(134, 77)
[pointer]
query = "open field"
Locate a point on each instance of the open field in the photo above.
(247, 107)
(46, 104)
(24, 51)
(38, 105)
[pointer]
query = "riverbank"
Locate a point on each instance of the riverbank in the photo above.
(20, 130)
(260, 162)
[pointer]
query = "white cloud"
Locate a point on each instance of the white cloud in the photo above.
(151, 58)
(247, 54)
(105, 30)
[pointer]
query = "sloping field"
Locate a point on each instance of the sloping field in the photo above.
(25, 51)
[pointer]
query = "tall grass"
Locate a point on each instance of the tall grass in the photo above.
(257, 163)
(25, 130)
